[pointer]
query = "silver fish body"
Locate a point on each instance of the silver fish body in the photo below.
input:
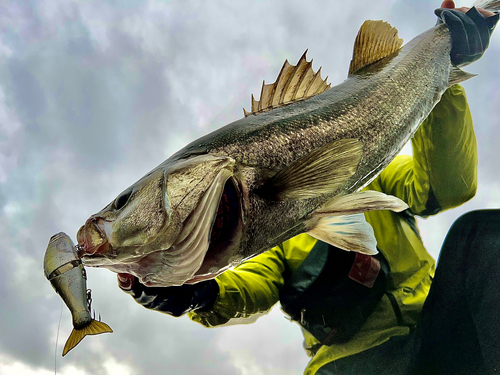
(64, 269)
(234, 193)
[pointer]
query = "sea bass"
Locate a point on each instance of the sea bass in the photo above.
(63, 268)
(295, 163)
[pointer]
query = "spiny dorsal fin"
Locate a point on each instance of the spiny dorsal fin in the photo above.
(294, 83)
(375, 40)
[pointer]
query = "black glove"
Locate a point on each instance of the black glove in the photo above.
(173, 300)
(470, 33)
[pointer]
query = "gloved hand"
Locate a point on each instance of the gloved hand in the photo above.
(174, 300)
(470, 33)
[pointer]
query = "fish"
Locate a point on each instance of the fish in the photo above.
(297, 162)
(63, 268)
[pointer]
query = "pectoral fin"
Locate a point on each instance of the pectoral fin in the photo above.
(319, 172)
(94, 328)
(349, 232)
(341, 223)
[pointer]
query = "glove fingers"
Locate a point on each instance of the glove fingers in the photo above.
(174, 300)
(438, 12)
(491, 22)
(480, 25)
(484, 25)
(176, 304)
(470, 33)
(129, 284)
(467, 45)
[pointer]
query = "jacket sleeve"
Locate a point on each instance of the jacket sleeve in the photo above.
(249, 289)
(442, 173)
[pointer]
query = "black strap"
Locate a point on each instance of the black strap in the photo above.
(397, 310)
(333, 292)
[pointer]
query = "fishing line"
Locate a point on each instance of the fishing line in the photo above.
(57, 339)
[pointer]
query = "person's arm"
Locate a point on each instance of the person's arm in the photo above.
(250, 288)
(443, 170)
(173, 300)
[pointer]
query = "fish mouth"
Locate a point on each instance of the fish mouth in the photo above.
(224, 235)
(210, 236)
(92, 238)
(206, 245)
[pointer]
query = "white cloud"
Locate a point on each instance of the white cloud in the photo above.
(9, 366)
(114, 367)
(10, 137)
(17, 368)
(5, 51)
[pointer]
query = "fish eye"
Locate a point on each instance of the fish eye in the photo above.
(122, 199)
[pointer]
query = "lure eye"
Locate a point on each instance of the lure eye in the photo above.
(122, 199)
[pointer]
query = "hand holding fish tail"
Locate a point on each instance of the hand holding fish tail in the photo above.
(174, 300)
(470, 29)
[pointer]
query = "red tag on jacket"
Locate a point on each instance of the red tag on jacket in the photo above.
(365, 270)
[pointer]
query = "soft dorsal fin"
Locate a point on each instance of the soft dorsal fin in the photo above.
(375, 40)
(294, 83)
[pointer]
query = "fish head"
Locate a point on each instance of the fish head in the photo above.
(131, 221)
(181, 223)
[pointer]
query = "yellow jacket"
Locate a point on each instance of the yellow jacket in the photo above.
(440, 175)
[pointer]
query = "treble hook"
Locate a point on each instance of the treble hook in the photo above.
(89, 298)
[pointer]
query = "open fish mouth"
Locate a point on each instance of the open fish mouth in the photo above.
(227, 217)
(92, 238)
(210, 235)
(206, 244)
(225, 233)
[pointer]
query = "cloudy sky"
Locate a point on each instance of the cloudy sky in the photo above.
(95, 94)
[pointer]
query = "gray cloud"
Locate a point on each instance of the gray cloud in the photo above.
(95, 94)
